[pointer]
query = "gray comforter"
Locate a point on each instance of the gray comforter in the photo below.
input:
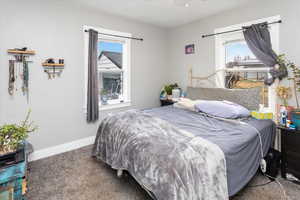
(239, 143)
(171, 163)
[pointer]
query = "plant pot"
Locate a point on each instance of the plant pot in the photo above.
(169, 97)
(12, 158)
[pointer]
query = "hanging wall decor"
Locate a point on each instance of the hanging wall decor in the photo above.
(190, 49)
(19, 70)
(53, 69)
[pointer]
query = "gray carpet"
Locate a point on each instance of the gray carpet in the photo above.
(76, 176)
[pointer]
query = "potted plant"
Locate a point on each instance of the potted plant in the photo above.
(295, 74)
(296, 85)
(103, 95)
(12, 135)
(168, 89)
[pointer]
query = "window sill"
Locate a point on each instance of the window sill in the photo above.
(114, 106)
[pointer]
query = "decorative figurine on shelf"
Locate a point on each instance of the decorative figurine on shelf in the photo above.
(284, 93)
(50, 61)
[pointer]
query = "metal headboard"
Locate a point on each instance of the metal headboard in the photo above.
(197, 81)
(201, 80)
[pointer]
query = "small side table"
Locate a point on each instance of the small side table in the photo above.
(290, 151)
(166, 102)
(13, 183)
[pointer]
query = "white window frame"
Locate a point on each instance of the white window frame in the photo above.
(220, 40)
(126, 65)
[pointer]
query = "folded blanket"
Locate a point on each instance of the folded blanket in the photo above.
(171, 163)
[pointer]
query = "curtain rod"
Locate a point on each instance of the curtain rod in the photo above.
(120, 36)
(213, 34)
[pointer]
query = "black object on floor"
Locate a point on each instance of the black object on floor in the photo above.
(273, 163)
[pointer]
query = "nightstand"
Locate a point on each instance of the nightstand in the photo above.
(290, 151)
(166, 102)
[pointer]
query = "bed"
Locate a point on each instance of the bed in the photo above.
(146, 159)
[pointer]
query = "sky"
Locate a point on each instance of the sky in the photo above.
(237, 48)
(110, 46)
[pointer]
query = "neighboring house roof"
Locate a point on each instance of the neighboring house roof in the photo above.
(248, 63)
(114, 57)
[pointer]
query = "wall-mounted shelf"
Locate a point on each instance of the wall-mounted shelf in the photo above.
(53, 65)
(53, 69)
(13, 51)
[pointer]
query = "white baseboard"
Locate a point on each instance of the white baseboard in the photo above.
(51, 151)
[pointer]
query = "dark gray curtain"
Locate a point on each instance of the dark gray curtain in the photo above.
(93, 92)
(258, 39)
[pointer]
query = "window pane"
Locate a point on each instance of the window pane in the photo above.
(110, 46)
(245, 80)
(112, 87)
(238, 55)
(110, 68)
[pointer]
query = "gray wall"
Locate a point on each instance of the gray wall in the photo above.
(54, 29)
(203, 61)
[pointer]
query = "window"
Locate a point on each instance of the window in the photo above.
(113, 69)
(110, 69)
(241, 68)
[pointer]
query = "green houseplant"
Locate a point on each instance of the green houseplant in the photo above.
(295, 75)
(168, 89)
(12, 135)
(103, 96)
(295, 78)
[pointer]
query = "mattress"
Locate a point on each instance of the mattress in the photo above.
(240, 143)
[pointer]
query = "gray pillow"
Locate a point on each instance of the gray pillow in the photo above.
(224, 109)
(249, 98)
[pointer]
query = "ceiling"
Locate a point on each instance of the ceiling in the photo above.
(164, 13)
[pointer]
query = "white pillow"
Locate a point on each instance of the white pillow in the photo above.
(223, 109)
(185, 103)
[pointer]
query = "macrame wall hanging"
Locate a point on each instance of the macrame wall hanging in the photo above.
(19, 71)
